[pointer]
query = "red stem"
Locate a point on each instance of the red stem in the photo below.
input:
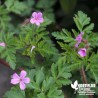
(7, 65)
(84, 79)
(4, 63)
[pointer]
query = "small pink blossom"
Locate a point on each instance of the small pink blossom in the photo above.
(37, 18)
(77, 44)
(82, 52)
(2, 44)
(32, 48)
(79, 39)
(22, 79)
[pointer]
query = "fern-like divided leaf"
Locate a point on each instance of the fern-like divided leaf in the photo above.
(10, 58)
(60, 74)
(4, 18)
(93, 39)
(64, 35)
(93, 61)
(45, 49)
(94, 71)
(9, 51)
(37, 37)
(83, 22)
(15, 93)
(45, 86)
(15, 6)
(55, 93)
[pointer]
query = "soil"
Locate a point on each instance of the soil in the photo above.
(5, 76)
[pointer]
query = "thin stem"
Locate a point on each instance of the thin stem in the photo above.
(65, 96)
(83, 75)
(84, 79)
(7, 65)
(26, 21)
(34, 30)
(4, 63)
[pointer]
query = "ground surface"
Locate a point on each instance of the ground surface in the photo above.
(5, 74)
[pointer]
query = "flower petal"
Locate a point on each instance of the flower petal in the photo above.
(77, 44)
(37, 18)
(2, 44)
(26, 80)
(79, 38)
(32, 20)
(82, 52)
(39, 14)
(41, 20)
(22, 85)
(34, 14)
(15, 76)
(37, 23)
(82, 33)
(23, 74)
(14, 81)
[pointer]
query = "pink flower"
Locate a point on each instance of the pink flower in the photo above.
(82, 52)
(32, 48)
(77, 44)
(22, 79)
(2, 44)
(37, 18)
(79, 39)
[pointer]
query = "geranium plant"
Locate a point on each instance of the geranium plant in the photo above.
(45, 67)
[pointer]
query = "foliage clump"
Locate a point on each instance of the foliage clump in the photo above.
(49, 68)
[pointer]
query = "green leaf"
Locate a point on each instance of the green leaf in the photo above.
(15, 6)
(75, 33)
(35, 86)
(4, 19)
(10, 57)
(59, 35)
(93, 61)
(1, 49)
(11, 60)
(45, 48)
(41, 95)
(79, 26)
(39, 76)
(9, 3)
(15, 93)
(83, 22)
(63, 82)
(60, 74)
(49, 13)
(9, 50)
(48, 83)
(89, 28)
(93, 39)
(31, 73)
(55, 93)
(95, 73)
(31, 86)
(64, 35)
(54, 70)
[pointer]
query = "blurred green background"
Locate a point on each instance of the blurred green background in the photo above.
(13, 14)
(60, 12)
